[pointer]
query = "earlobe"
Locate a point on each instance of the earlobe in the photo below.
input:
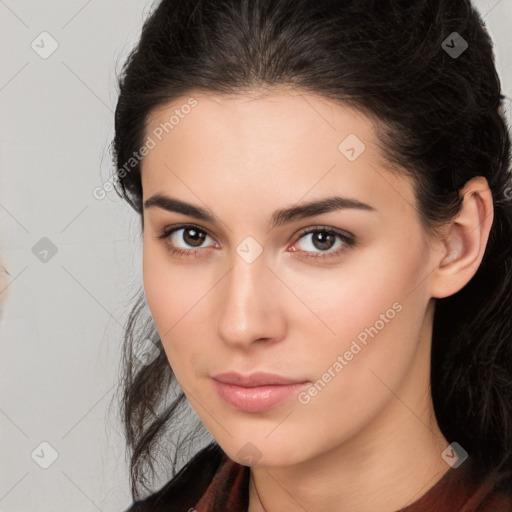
(464, 241)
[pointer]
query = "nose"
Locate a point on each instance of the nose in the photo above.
(250, 304)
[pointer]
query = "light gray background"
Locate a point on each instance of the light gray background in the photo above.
(61, 328)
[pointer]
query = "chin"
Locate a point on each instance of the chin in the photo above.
(265, 453)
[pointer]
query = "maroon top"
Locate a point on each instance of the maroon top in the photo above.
(212, 482)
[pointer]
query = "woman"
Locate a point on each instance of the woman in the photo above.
(324, 197)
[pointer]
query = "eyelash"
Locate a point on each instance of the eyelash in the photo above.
(348, 241)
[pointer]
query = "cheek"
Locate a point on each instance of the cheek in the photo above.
(170, 287)
(377, 329)
(167, 294)
(375, 309)
(355, 374)
(352, 297)
(176, 295)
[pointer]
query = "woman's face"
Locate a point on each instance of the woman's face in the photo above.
(338, 300)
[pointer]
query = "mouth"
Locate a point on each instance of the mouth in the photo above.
(256, 392)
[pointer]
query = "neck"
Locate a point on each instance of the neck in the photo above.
(387, 475)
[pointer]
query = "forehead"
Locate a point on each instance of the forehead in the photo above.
(274, 116)
(280, 145)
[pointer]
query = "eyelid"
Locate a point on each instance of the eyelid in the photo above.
(338, 231)
(169, 230)
(175, 227)
(348, 238)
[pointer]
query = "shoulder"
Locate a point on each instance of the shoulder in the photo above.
(484, 491)
(495, 494)
(187, 486)
(471, 487)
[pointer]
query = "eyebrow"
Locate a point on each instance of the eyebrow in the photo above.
(279, 217)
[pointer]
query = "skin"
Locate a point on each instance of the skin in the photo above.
(3, 286)
(369, 439)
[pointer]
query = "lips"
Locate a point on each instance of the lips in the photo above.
(256, 392)
(255, 379)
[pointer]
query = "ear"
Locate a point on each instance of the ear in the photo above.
(460, 250)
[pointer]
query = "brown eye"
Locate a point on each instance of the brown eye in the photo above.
(322, 240)
(184, 240)
(193, 237)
